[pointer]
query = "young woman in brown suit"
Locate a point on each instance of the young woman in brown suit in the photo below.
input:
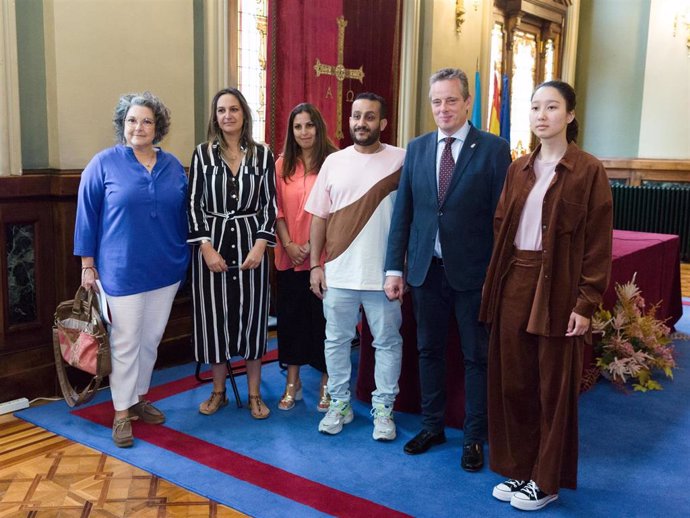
(549, 269)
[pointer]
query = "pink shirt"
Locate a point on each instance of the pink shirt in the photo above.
(528, 236)
(355, 192)
(291, 195)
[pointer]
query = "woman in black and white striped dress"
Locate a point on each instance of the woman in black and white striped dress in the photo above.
(232, 210)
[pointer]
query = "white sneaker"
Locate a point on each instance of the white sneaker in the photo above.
(531, 498)
(505, 490)
(384, 426)
(339, 413)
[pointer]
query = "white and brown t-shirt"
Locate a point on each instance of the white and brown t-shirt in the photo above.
(355, 192)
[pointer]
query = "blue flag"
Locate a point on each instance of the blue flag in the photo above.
(505, 109)
(477, 106)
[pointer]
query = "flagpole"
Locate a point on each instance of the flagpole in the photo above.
(477, 106)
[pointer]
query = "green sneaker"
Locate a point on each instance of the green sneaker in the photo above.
(339, 413)
(384, 426)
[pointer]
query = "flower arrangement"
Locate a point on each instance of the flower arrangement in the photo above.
(633, 344)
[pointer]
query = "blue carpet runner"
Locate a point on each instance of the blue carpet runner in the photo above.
(634, 453)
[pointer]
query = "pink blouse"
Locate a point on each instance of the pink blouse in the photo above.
(291, 196)
(528, 236)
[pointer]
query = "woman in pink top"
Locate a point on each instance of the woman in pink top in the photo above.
(301, 324)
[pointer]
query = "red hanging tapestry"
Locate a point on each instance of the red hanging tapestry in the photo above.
(326, 52)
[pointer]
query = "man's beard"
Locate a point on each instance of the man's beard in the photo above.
(369, 140)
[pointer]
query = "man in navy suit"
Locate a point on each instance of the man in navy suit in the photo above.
(443, 224)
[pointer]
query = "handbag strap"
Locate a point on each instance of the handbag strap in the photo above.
(83, 300)
(72, 397)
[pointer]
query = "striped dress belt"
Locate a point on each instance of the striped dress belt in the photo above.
(229, 215)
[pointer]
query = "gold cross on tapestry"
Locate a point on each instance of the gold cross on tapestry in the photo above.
(340, 73)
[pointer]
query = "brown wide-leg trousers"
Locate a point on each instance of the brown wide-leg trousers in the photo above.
(533, 390)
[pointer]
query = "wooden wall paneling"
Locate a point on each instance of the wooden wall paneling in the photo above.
(28, 373)
(38, 216)
(176, 345)
(64, 188)
(47, 200)
(26, 365)
(635, 171)
(67, 266)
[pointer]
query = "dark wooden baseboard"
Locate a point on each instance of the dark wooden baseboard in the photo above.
(45, 203)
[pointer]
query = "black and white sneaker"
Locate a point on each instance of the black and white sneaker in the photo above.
(531, 498)
(505, 490)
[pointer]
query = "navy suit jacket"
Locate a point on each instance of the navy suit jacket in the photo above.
(464, 220)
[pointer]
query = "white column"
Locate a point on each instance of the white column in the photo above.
(409, 71)
(10, 141)
(570, 46)
(216, 47)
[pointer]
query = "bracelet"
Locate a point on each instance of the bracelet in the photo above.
(85, 269)
(314, 267)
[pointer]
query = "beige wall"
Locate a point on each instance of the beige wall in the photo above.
(665, 120)
(97, 50)
(443, 47)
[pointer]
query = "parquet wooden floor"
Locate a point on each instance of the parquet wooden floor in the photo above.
(44, 475)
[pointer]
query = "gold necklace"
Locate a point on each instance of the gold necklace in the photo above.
(149, 164)
(232, 157)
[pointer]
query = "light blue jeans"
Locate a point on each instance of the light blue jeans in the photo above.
(341, 309)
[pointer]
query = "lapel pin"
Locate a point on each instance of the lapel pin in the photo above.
(473, 144)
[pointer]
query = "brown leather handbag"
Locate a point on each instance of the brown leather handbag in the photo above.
(80, 339)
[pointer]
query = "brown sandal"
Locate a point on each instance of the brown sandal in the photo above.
(213, 403)
(257, 407)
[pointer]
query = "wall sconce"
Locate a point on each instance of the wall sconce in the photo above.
(680, 20)
(459, 15)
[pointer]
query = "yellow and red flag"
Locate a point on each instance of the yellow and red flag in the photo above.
(494, 121)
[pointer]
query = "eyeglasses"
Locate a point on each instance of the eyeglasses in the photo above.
(133, 122)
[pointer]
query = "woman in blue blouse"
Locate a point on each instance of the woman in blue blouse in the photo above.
(131, 232)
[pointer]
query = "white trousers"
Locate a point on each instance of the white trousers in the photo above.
(138, 323)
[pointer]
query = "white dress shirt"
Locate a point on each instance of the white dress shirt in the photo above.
(460, 137)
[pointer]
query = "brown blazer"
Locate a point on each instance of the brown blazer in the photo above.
(577, 222)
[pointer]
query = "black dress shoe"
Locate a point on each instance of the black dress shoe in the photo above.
(472, 457)
(423, 441)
